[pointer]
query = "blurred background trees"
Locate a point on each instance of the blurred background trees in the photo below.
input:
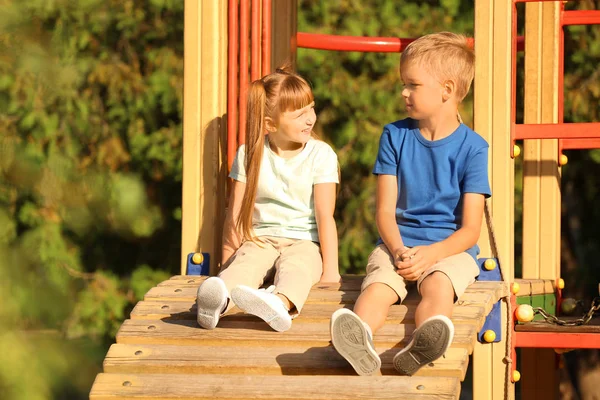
(90, 162)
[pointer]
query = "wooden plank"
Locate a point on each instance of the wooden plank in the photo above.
(262, 359)
(347, 284)
(332, 294)
(238, 387)
(535, 286)
(284, 23)
(204, 132)
(185, 332)
(541, 191)
(503, 174)
(482, 93)
(315, 313)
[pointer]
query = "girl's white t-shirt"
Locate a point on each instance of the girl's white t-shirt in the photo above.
(284, 205)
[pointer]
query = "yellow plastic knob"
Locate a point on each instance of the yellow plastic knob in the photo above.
(516, 151)
(489, 264)
(524, 313)
(563, 160)
(516, 376)
(560, 283)
(515, 288)
(197, 258)
(489, 336)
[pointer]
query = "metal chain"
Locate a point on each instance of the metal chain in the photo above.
(595, 307)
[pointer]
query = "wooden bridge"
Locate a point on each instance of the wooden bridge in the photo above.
(162, 353)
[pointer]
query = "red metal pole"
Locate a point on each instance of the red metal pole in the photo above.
(579, 130)
(581, 17)
(363, 43)
(232, 62)
(255, 42)
(580, 144)
(244, 32)
(266, 37)
(557, 340)
(534, 1)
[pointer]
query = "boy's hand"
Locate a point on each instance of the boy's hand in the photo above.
(331, 277)
(415, 261)
(398, 254)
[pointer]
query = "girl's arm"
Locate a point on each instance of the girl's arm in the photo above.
(385, 215)
(231, 237)
(325, 194)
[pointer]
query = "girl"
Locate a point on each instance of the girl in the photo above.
(280, 214)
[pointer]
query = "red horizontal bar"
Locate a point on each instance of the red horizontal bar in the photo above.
(351, 43)
(363, 43)
(581, 17)
(533, 1)
(560, 340)
(580, 144)
(580, 130)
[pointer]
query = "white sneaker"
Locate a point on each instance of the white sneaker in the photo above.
(429, 342)
(211, 301)
(352, 338)
(264, 304)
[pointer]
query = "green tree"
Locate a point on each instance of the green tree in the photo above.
(90, 179)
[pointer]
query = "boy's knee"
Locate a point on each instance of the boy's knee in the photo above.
(437, 281)
(379, 293)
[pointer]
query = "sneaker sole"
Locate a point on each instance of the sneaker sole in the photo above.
(252, 304)
(210, 301)
(350, 339)
(430, 342)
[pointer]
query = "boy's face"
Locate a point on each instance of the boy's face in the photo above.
(422, 93)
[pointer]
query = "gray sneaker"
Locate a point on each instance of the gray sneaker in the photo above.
(429, 342)
(352, 338)
(211, 301)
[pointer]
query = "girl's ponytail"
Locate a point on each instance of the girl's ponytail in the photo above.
(255, 142)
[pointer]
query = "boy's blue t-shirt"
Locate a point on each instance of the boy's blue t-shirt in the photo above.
(432, 176)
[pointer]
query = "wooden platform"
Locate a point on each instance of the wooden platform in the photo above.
(162, 353)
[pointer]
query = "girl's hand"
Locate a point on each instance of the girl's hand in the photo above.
(416, 260)
(330, 277)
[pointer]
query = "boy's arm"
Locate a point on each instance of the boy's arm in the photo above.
(325, 194)
(387, 196)
(419, 258)
(468, 234)
(232, 239)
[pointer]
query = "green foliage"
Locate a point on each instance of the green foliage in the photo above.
(580, 189)
(90, 178)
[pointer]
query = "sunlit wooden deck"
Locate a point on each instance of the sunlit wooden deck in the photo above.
(162, 353)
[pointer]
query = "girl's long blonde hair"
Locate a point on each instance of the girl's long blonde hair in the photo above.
(278, 92)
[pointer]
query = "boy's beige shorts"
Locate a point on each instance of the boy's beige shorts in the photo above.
(461, 269)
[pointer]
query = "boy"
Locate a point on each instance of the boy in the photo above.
(431, 187)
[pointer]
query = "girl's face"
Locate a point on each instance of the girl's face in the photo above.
(296, 126)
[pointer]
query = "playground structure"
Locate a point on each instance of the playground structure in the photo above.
(161, 353)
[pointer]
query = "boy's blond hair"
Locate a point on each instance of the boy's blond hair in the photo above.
(445, 55)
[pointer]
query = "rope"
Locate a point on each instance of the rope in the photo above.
(509, 320)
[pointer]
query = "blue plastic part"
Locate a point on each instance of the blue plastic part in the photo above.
(493, 320)
(198, 269)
